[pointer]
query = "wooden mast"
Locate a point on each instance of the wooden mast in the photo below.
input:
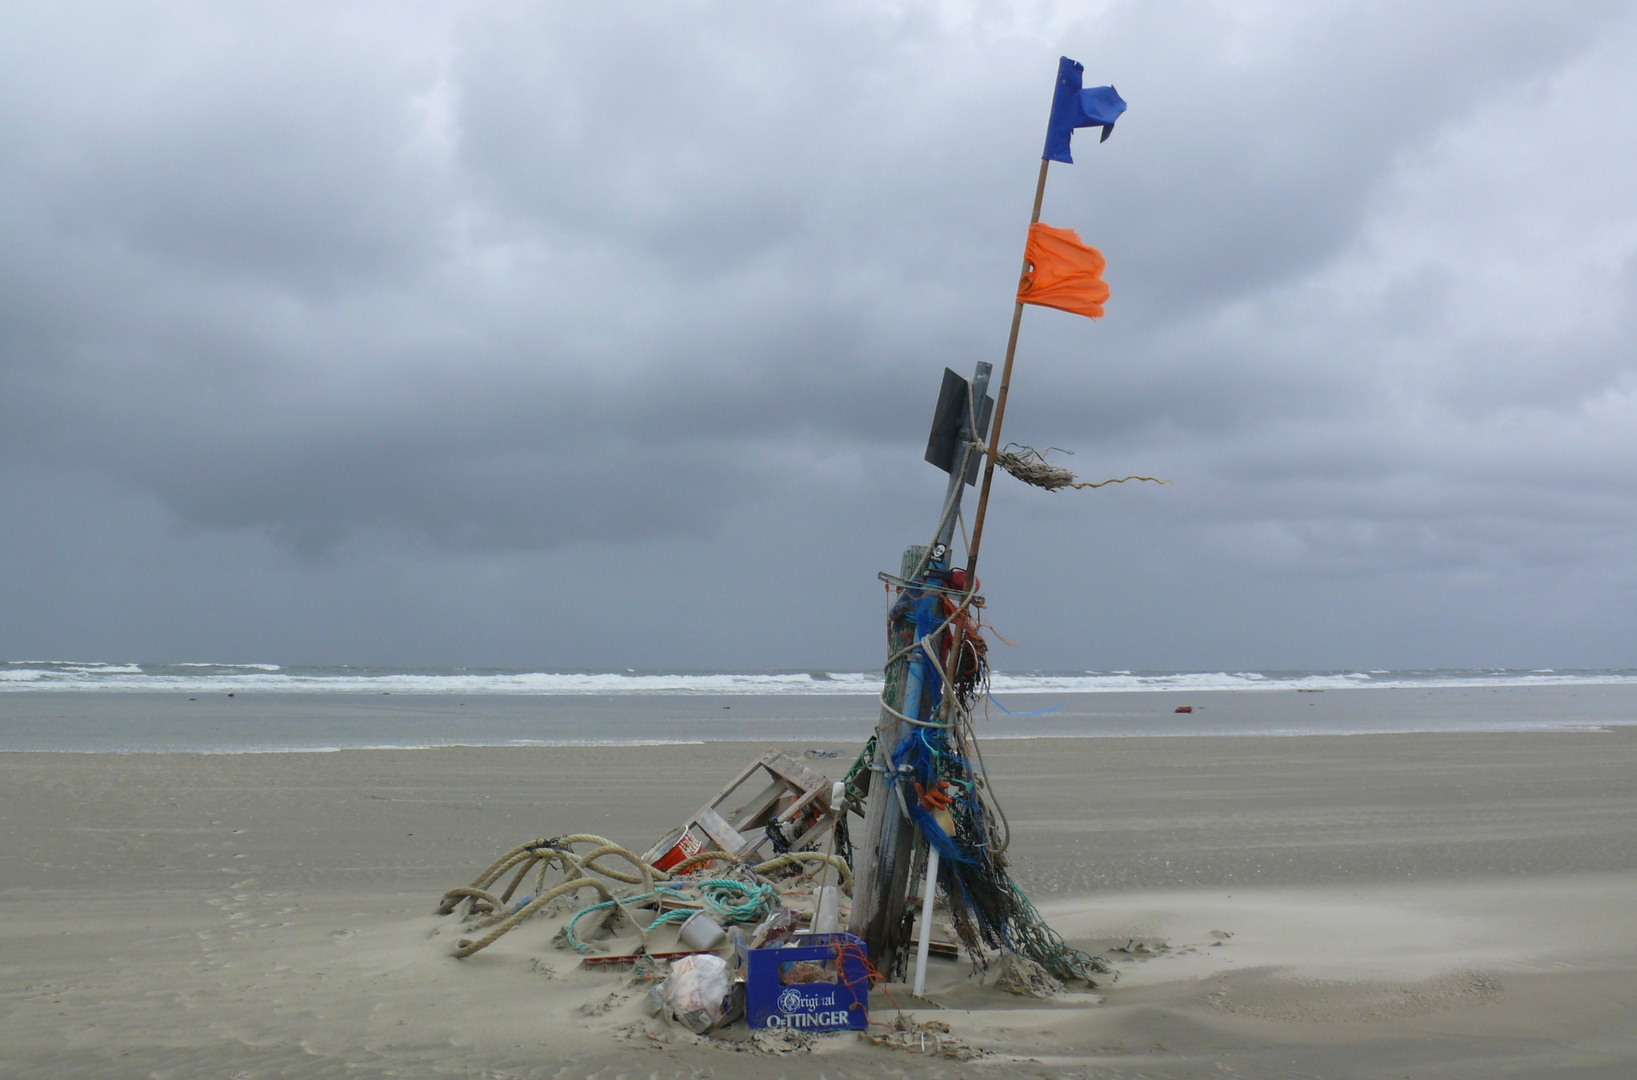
(1000, 409)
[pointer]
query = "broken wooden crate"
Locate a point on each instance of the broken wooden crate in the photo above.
(783, 793)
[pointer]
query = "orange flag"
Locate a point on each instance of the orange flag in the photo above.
(1063, 273)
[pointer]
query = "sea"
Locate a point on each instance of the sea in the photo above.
(115, 707)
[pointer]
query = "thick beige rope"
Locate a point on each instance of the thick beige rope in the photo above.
(577, 870)
(465, 948)
(800, 858)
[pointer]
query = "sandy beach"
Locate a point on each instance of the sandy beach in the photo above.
(1427, 905)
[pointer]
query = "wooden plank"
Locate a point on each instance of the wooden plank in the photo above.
(626, 960)
(817, 795)
(757, 811)
(798, 774)
(734, 784)
(720, 831)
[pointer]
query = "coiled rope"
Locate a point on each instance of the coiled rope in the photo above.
(729, 899)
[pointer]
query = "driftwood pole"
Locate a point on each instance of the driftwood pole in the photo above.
(881, 884)
(883, 862)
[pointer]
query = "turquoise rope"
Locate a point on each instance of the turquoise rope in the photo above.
(758, 899)
(716, 895)
(580, 947)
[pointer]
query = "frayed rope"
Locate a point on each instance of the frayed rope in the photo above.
(1030, 466)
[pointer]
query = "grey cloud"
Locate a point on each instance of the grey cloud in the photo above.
(1269, 159)
(509, 282)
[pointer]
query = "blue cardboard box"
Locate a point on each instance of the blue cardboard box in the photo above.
(774, 999)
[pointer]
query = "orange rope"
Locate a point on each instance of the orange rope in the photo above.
(872, 976)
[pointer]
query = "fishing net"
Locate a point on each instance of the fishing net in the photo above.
(939, 771)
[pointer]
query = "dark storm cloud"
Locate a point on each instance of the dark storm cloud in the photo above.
(506, 279)
(1277, 130)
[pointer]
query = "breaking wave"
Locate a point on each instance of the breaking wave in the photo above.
(198, 677)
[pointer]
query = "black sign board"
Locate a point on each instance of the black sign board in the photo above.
(941, 445)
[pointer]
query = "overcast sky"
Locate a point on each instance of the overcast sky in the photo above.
(602, 335)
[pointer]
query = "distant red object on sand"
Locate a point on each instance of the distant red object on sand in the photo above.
(1185, 708)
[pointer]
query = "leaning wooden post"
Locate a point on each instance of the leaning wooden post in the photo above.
(883, 862)
(881, 886)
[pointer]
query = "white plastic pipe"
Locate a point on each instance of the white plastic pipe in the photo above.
(827, 901)
(928, 892)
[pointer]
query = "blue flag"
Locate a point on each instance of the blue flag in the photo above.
(1073, 108)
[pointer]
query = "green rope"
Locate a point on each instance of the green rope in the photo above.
(568, 930)
(729, 900)
(679, 915)
(855, 792)
(757, 900)
(669, 916)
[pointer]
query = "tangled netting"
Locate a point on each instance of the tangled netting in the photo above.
(736, 891)
(938, 770)
(1030, 466)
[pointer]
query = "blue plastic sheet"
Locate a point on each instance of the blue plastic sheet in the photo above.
(1073, 108)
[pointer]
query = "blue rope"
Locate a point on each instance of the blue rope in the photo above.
(1009, 712)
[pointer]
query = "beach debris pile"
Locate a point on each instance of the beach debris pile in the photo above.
(707, 919)
(736, 892)
(706, 936)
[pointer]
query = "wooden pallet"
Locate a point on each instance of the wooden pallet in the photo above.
(629, 960)
(790, 793)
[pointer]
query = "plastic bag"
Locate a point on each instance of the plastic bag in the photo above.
(776, 929)
(695, 993)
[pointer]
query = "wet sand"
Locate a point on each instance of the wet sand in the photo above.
(1370, 906)
(249, 720)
